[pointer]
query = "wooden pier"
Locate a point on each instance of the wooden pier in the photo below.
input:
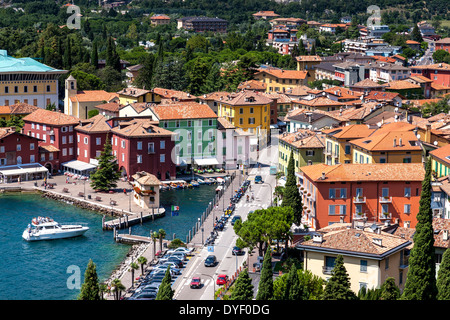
(132, 219)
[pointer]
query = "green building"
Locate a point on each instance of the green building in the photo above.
(196, 128)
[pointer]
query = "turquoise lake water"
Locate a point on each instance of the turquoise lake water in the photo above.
(41, 270)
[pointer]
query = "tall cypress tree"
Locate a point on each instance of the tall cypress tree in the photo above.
(265, 287)
(165, 291)
(291, 195)
(294, 291)
(338, 286)
(90, 289)
(443, 278)
(94, 55)
(243, 287)
(421, 279)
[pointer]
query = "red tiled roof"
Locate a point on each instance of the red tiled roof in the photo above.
(94, 95)
(285, 74)
(95, 124)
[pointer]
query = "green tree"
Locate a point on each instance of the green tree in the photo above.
(107, 173)
(90, 289)
(389, 291)
(294, 291)
(243, 287)
(291, 195)
(165, 291)
(94, 55)
(161, 235)
(421, 279)
(93, 113)
(265, 287)
(415, 34)
(441, 55)
(443, 277)
(145, 76)
(338, 286)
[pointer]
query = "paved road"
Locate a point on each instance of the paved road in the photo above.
(427, 58)
(228, 264)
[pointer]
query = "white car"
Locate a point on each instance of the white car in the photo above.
(186, 251)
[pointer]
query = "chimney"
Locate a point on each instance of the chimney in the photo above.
(445, 235)
(400, 142)
(395, 143)
(323, 176)
(428, 133)
(317, 238)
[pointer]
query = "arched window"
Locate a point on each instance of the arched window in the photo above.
(19, 160)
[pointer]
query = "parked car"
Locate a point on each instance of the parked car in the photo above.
(258, 179)
(196, 283)
(236, 251)
(144, 296)
(182, 256)
(222, 279)
(234, 219)
(210, 261)
(184, 250)
(149, 287)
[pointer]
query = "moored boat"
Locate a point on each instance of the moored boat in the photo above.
(48, 229)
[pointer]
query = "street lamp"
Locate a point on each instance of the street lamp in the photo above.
(198, 220)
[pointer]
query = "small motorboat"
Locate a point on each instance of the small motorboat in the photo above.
(47, 229)
(218, 189)
(195, 183)
(200, 181)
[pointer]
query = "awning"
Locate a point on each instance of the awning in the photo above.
(23, 169)
(79, 165)
(206, 162)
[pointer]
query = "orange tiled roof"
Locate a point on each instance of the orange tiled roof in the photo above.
(359, 241)
(367, 83)
(308, 58)
(381, 95)
(343, 93)
(365, 172)
(95, 124)
(173, 94)
(94, 95)
(252, 85)
(111, 106)
(353, 131)
(138, 128)
(436, 66)
(133, 92)
(385, 141)
(320, 102)
(442, 153)
(266, 14)
(420, 79)
(246, 98)
(214, 95)
(224, 123)
(285, 74)
(401, 85)
(303, 139)
(51, 118)
(191, 110)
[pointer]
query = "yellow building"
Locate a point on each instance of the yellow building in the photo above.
(338, 148)
(132, 95)
(370, 255)
(308, 63)
(79, 103)
(24, 80)
(249, 111)
(307, 148)
(279, 80)
(440, 161)
(387, 147)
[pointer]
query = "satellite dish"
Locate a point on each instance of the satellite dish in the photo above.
(396, 109)
(435, 143)
(379, 124)
(418, 136)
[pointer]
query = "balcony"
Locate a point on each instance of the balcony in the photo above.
(385, 199)
(385, 216)
(327, 270)
(359, 216)
(359, 199)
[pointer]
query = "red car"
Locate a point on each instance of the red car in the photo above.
(222, 279)
(196, 282)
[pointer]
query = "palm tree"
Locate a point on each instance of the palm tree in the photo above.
(142, 261)
(103, 289)
(154, 236)
(162, 235)
(133, 266)
(118, 287)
